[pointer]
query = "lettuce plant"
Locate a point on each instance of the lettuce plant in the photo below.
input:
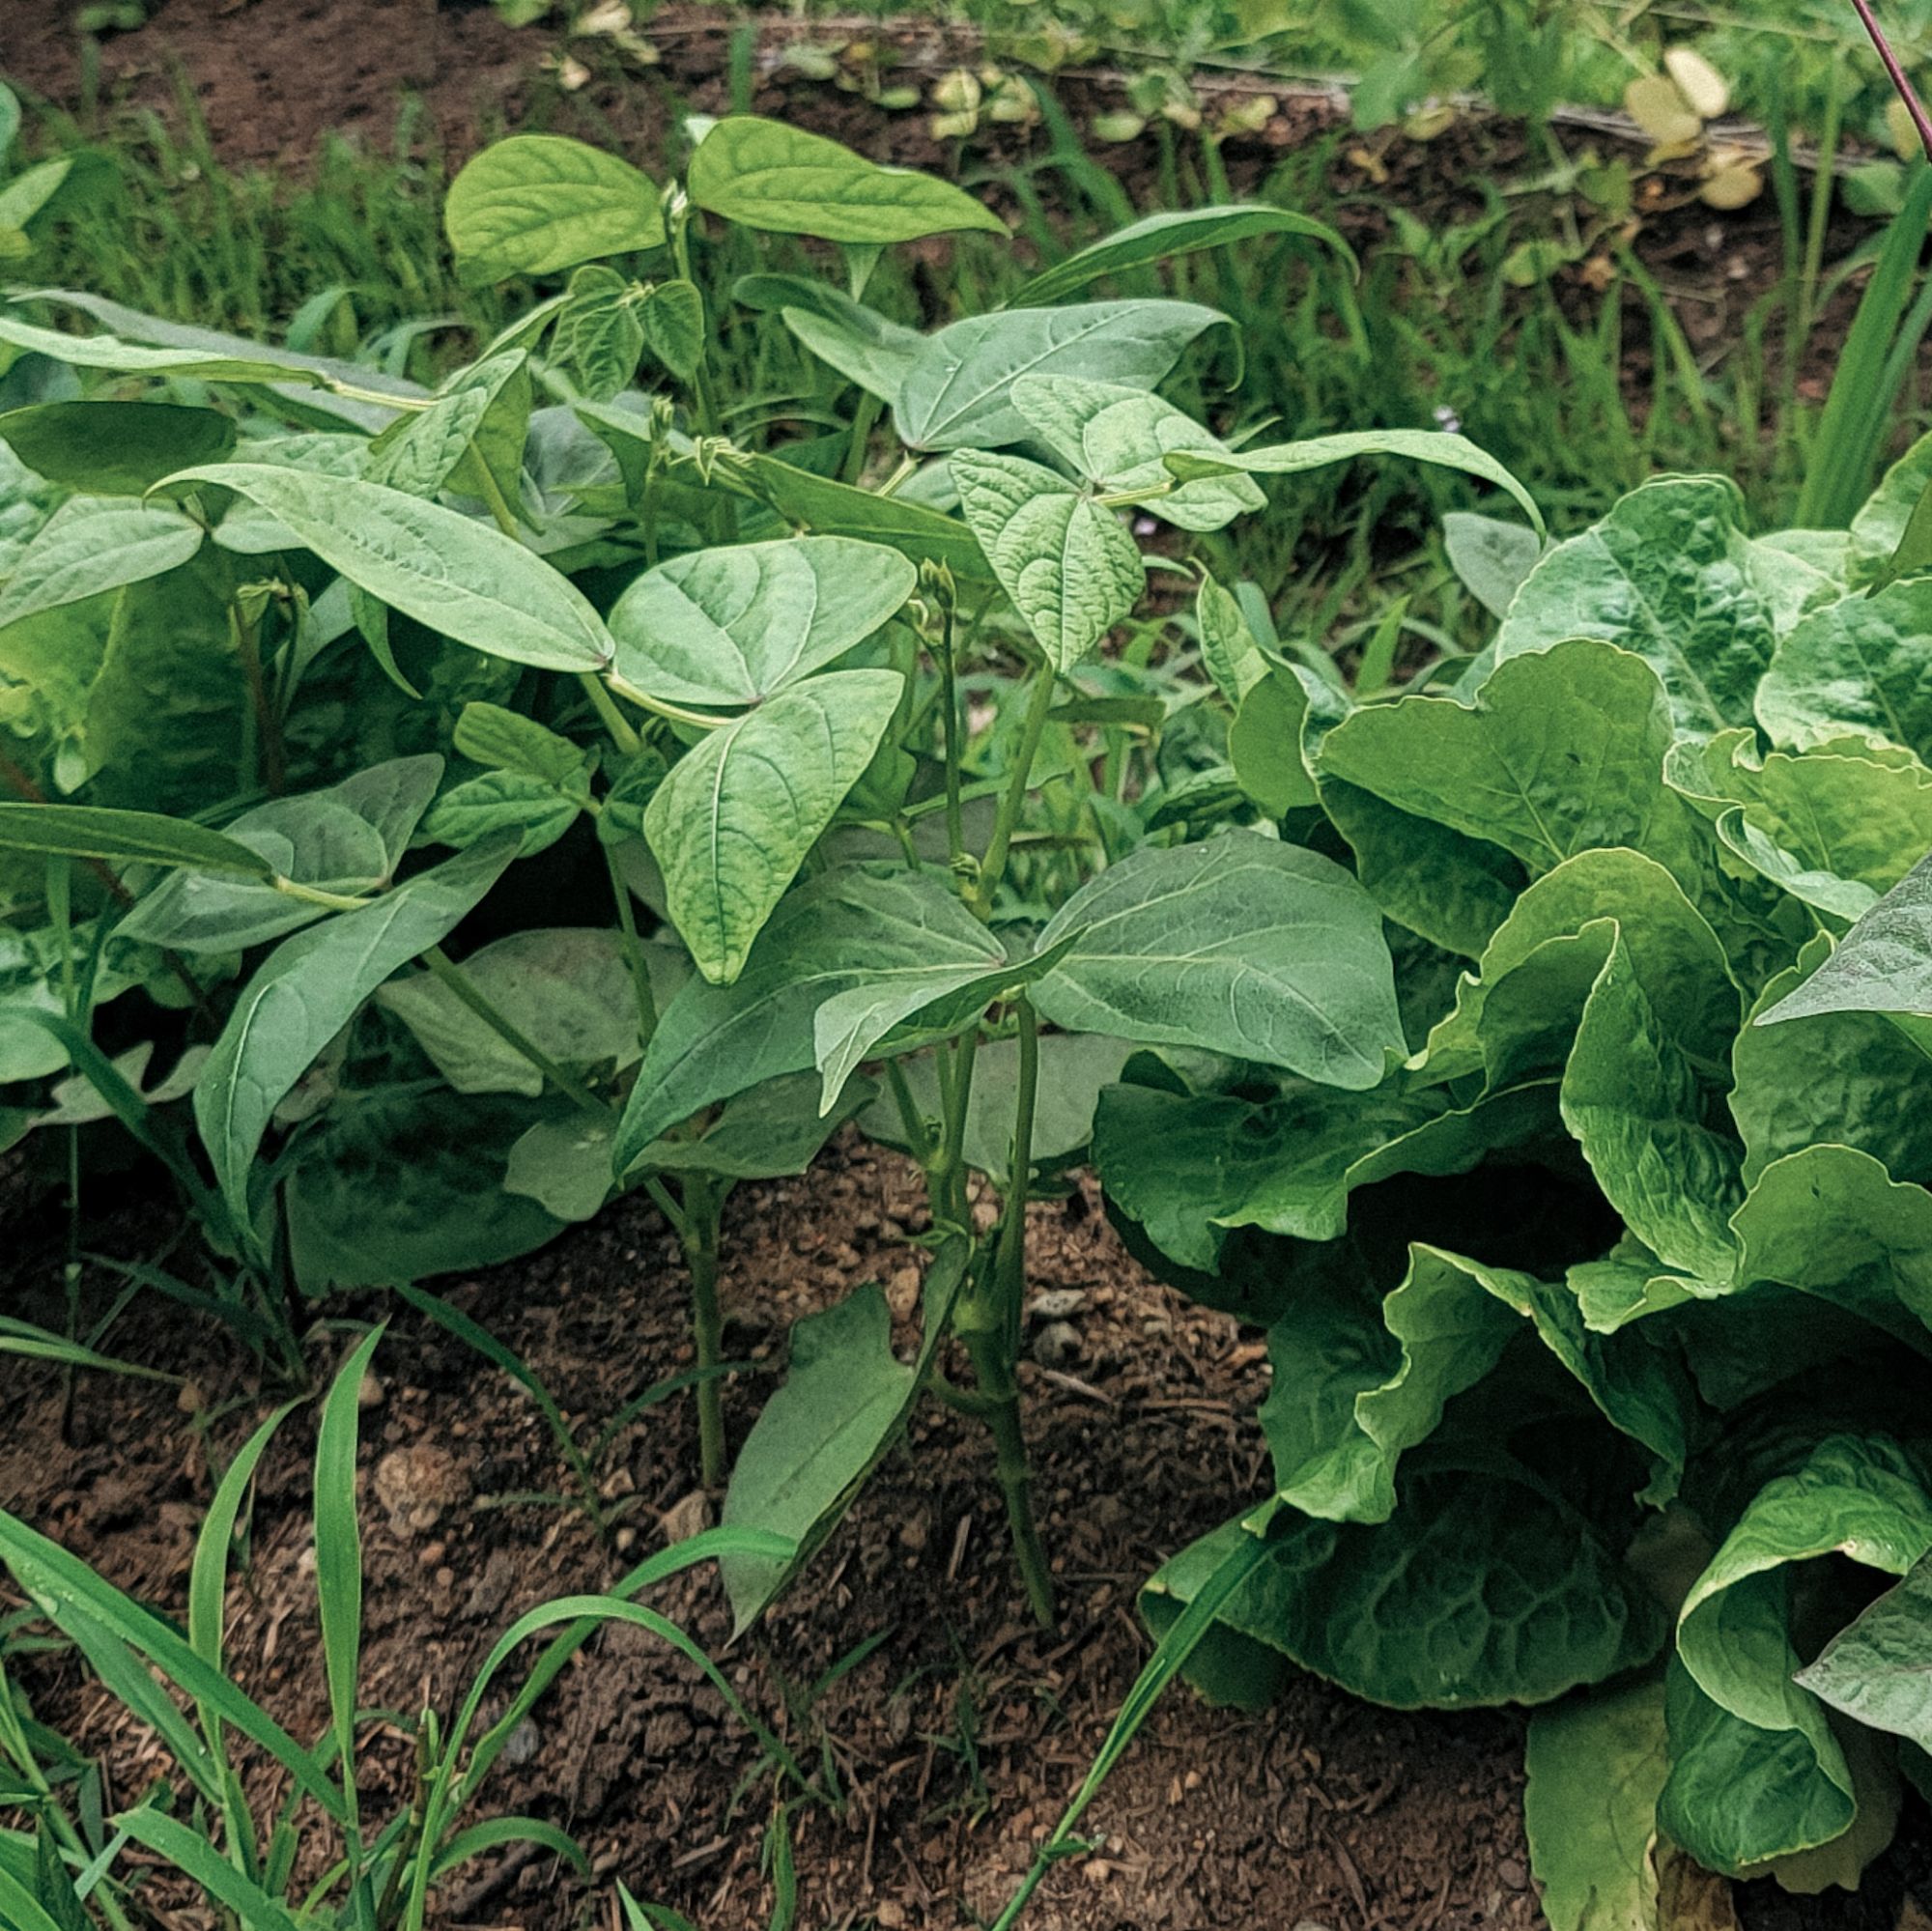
(1596, 1326)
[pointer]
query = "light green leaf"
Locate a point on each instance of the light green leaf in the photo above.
(1158, 238)
(843, 1405)
(129, 358)
(1668, 945)
(1857, 667)
(307, 990)
(1494, 558)
(1438, 448)
(767, 174)
(93, 544)
(566, 989)
(1241, 946)
(1851, 1497)
(1562, 750)
(1118, 439)
(1228, 647)
(859, 342)
(1595, 1766)
(733, 821)
(852, 925)
(1874, 1671)
(346, 840)
(125, 838)
(597, 334)
(732, 626)
(1884, 964)
(1831, 1221)
(1855, 1076)
(672, 318)
(849, 1024)
(536, 203)
(1834, 826)
(1670, 575)
(1070, 566)
(477, 423)
(1264, 742)
(1633, 1099)
(114, 449)
(446, 570)
(958, 392)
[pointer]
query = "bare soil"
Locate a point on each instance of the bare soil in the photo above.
(954, 1742)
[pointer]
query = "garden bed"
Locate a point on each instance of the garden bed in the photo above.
(958, 1737)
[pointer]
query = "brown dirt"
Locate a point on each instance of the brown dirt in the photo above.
(960, 1736)
(1325, 1808)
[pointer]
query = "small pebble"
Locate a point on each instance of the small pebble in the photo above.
(522, 1744)
(1056, 1345)
(1512, 1874)
(684, 1519)
(1057, 1304)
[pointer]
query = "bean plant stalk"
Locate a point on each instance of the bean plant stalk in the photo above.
(988, 1315)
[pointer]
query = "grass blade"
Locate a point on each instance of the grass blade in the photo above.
(84, 1606)
(338, 1584)
(195, 1857)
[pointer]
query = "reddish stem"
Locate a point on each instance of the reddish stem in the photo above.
(1896, 72)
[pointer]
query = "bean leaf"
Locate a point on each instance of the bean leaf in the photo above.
(764, 174)
(1159, 236)
(309, 988)
(1241, 946)
(733, 625)
(732, 822)
(958, 391)
(537, 203)
(443, 569)
(1070, 568)
(93, 544)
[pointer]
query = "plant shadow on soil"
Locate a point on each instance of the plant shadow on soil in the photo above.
(955, 1739)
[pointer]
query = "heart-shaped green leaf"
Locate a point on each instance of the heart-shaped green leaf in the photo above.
(765, 174)
(1070, 566)
(733, 625)
(537, 203)
(732, 822)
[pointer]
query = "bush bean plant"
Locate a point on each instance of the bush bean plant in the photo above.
(430, 815)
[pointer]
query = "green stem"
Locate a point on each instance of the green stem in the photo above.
(864, 416)
(993, 866)
(993, 1373)
(1009, 1271)
(269, 757)
(703, 1211)
(676, 713)
(633, 949)
(952, 740)
(614, 720)
(450, 974)
(918, 1143)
